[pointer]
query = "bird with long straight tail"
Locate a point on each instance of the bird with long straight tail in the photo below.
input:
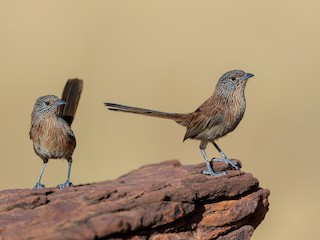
(50, 130)
(216, 117)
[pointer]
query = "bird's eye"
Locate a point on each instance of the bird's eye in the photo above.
(47, 103)
(233, 78)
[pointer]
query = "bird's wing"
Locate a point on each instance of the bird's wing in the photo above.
(203, 119)
(71, 137)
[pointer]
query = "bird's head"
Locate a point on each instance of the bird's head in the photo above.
(233, 80)
(48, 104)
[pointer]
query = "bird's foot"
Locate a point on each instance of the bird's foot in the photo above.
(65, 185)
(212, 173)
(38, 185)
(228, 161)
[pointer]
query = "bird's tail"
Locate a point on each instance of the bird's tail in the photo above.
(180, 118)
(71, 95)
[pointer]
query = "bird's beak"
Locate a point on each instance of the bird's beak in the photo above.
(247, 75)
(60, 102)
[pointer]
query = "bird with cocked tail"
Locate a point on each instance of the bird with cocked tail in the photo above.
(50, 130)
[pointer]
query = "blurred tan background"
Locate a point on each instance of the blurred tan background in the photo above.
(167, 55)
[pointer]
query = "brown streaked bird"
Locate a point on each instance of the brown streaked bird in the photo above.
(216, 117)
(50, 130)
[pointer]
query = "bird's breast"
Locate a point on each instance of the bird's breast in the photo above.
(234, 111)
(51, 139)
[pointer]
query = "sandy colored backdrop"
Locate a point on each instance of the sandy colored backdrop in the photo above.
(168, 55)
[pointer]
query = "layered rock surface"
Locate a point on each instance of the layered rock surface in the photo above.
(158, 201)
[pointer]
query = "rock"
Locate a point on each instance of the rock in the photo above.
(164, 201)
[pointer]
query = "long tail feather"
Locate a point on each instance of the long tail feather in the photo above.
(177, 117)
(71, 95)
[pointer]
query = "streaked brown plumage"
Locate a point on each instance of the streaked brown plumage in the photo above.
(217, 116)
(50, 130)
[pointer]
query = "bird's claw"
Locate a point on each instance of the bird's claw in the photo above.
(38, 185)
(233, 164)
(65, 185)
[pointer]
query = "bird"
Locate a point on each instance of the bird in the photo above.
(50, 129)
(213, 119)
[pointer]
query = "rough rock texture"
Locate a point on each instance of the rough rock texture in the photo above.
(159, 201)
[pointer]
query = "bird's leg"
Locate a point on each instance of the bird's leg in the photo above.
(67, 182)
(224, 158)
(210, 170)
(39, 184)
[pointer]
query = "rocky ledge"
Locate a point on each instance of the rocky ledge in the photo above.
(158, 201)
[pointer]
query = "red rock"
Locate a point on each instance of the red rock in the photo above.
(159, 201)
